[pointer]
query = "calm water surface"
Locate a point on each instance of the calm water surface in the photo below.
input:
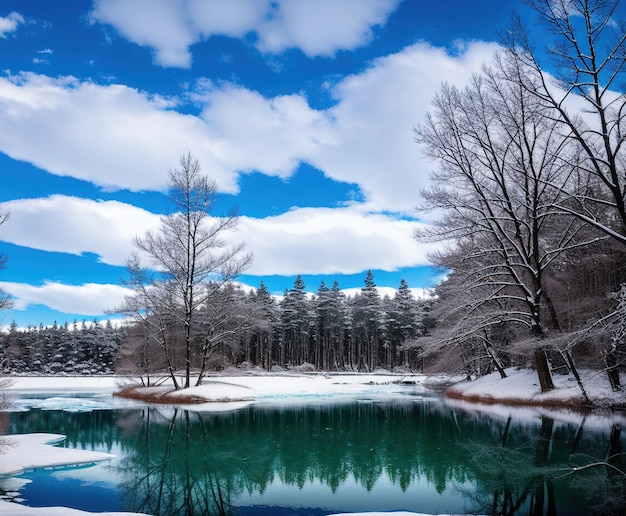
(414, 453)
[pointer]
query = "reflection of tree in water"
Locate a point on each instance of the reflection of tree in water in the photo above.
(183, 463)
(603, 482)
(536, 471)
(171, 468)
(179, 462)
(91, 430)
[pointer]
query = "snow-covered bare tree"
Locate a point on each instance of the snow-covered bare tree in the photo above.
(503, 167)
(585, 93)
(189, 262)
(6, 300)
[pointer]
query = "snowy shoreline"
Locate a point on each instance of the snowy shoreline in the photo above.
(232, 388)
(521, 388)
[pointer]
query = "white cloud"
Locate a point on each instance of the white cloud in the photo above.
(72, 225)
(375, 117)
(330, 241)
(161, 24)
(118, 137)
(113, 136)
(367, 138)
(8, 24)
(268, 135)
(418, 293)
(87, 299)
(317, 27)
(233, 18)
(322, 27)
(301, 241)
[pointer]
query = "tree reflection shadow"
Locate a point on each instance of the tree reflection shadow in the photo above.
(511, 479)
(171, 468)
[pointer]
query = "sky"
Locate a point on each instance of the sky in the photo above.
(302, 111)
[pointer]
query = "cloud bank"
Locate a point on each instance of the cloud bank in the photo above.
(121, 138)
(301, 241)
(316, 27)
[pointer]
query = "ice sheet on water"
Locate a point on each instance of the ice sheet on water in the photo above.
(69, 403)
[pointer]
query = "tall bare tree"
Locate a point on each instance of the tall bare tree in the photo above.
(585, 93)
(189, 263)
(586, 96)
(503, 168)
(6, 300)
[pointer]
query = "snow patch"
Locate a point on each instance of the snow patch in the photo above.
(29, 451)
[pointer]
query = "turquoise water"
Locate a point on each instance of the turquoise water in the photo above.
(414, 453)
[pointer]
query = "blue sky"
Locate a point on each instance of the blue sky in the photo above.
(302, 111)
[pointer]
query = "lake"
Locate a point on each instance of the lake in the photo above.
(413, 452)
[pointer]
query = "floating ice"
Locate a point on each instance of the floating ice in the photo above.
(84, 403)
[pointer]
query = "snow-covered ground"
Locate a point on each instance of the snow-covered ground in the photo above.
(228, 392)
(20, 510)
(28, 451)
(521, 387)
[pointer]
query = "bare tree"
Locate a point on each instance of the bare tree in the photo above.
(585, 97)
(189, 263)
(6, 300)
(503, 169)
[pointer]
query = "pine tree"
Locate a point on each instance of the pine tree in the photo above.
(295, 319)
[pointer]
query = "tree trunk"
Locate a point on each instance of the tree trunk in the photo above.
(543, 370)
(570, 362)
(610, 359)
(495, 358)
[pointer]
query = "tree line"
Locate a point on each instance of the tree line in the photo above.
(79, 349)
(326, 331)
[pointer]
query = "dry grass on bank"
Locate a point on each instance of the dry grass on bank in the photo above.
(157, 395)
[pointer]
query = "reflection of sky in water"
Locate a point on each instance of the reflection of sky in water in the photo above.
(95, 488)
(101, 473)
(91, 487)
(352, 496)
(75, 488)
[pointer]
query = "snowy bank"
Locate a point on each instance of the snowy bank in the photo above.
(21, 510)
(16, 509)
(68, 384)
(29, 451)
(223, 392)
(521, 387)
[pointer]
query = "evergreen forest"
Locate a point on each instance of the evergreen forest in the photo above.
(326, 331)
